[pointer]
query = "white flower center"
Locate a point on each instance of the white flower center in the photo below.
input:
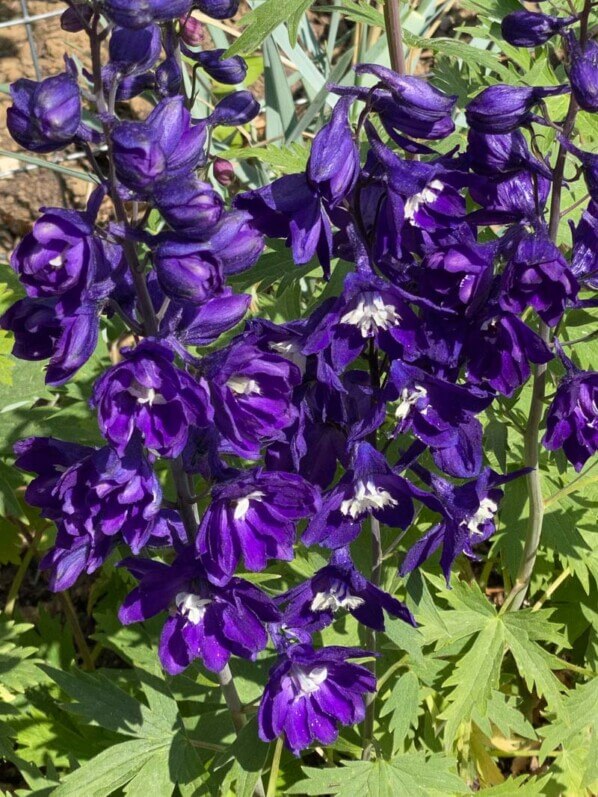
(146, 395)
(285, 347)
(308, 681)
(372, 314)
(57, 262)
(485, 511)
(242, 504)
(244, 386)
(429, 194)
(367, 497)
(408, 399)
(191, 606)
(336, 597)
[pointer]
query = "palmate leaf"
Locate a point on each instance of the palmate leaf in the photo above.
(413, 775)
(285, 160)
(265, 18)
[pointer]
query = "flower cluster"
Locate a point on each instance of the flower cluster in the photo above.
(323, 429)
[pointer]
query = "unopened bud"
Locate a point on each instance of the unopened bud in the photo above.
(224, 172)
(192, 31)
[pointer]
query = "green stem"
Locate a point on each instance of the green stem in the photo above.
(370, 714)
(13, 592)
(77, 631)
(394, 33)
(275, 768)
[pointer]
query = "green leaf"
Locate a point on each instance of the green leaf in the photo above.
(285, 160)
(521, 786)
(402, 705)
(53, 167)
(413, 775)
(474, 677)
(264, 19)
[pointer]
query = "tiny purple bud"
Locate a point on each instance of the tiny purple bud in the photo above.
(224, 172)
(192, 31)
(217, 9)
(75, 18)
(529, 29)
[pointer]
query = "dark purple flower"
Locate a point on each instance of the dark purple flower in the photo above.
(313, 604)
(333, 165)
(369, 487)
(235, 109)
(217, 9)
(201, 325)
(584, 259)
(74, 18)
(408, 104)
(369, 309)
(512, 197)
(589, 162)
(206, 622)
(538, 276)
(48, 458)
(583, 73)
(35, 327)
(165, 146)
(572, 419)
(229, 71)
(502, 108)
(146, 396)
(253, 516)
(189, 205)
(139, 13)
(186, 272)
(441, 415)
(169, 77)
(79, 331)
(133, 52)
(290, 208)
(469, 518)
(45, 116)
(499, 352)
(251, 394)
(309, 692)
(235, 243)
(506, 152)
(531, 28)
(62, 254)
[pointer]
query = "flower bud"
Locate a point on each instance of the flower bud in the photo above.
(224, 172)
(44, 116)
(334, 161)
(74, 19)
(186, 272)
(139, 13)
(583, 74)
(529, 29)
(235, 109)
(169, 77)
(192, 31)
(224, 70)
(189, 205)
(217, 9)
(133, 52)
(502, 108)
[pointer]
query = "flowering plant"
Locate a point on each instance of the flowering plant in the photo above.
(274, 496)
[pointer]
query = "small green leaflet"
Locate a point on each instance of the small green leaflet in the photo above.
(286, 160)
(264, 19)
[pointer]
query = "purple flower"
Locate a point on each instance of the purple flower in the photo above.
(146, 396)
(583, 73)
(165, 146)
(506, 152)
(291, 208)
(218, 9)
(251, 395)
(469, 518)
(133, 52)
(139, 13)
(79, 331)
(501, 108)
(333, 165)
(253, 516)
(584, 258)
(369, 309)
(441, 415)
(530, 28)
(572, 419)
(408, 104)
(206, 622)
(235, 109)
(189, 205)
(499, 351)
(369, 487)
(538, 275)
(313, 604)
(35, 326)
(96, 497)
(229, 71)
(45, 116)
(512, 197)
(195, 325)
(62, 254)
(186, 272)
(309, 692)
